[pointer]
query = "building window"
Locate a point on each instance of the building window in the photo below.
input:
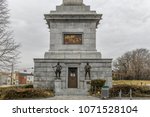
(71, 38)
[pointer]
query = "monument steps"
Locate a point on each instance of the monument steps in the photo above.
(72, 91)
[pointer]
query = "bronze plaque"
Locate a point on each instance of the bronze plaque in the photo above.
(72, 38)
(72, 78)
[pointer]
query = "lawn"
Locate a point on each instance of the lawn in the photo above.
(132, 82)
(140, 88)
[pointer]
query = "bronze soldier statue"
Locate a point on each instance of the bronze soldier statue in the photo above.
(58, 70)
(87, 70)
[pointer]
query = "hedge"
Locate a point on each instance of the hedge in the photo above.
(96, 85)
(24, 93)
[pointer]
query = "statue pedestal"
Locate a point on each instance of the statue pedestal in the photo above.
(87, 85)
(57, 85)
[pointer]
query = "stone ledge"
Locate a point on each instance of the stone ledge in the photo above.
(42, 60)
(73, 55)
(84, 16)
(72, 2)
(73, 9)
(72, 91)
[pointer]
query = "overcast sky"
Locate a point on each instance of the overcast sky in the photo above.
(125, 26)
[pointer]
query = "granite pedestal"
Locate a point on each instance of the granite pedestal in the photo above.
(72, 43)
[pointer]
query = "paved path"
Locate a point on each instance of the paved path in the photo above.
(72, 98)
(91, 98)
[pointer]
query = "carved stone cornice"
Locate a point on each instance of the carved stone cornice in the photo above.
(72, 2)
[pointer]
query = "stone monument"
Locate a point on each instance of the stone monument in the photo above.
(73, 44)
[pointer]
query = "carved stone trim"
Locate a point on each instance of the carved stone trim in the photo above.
(72, 2)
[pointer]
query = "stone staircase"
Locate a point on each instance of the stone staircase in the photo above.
(72, 91)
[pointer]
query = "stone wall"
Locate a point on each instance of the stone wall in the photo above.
(45, 75)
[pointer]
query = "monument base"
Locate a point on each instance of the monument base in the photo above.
(44, 74)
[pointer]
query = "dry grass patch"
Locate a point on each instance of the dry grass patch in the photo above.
(137, 91)
(132, 82)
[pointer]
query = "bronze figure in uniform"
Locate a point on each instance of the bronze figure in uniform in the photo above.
(87, 70)
(58, 70)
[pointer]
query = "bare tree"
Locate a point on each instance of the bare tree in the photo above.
(8, 47)
(134, 64)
